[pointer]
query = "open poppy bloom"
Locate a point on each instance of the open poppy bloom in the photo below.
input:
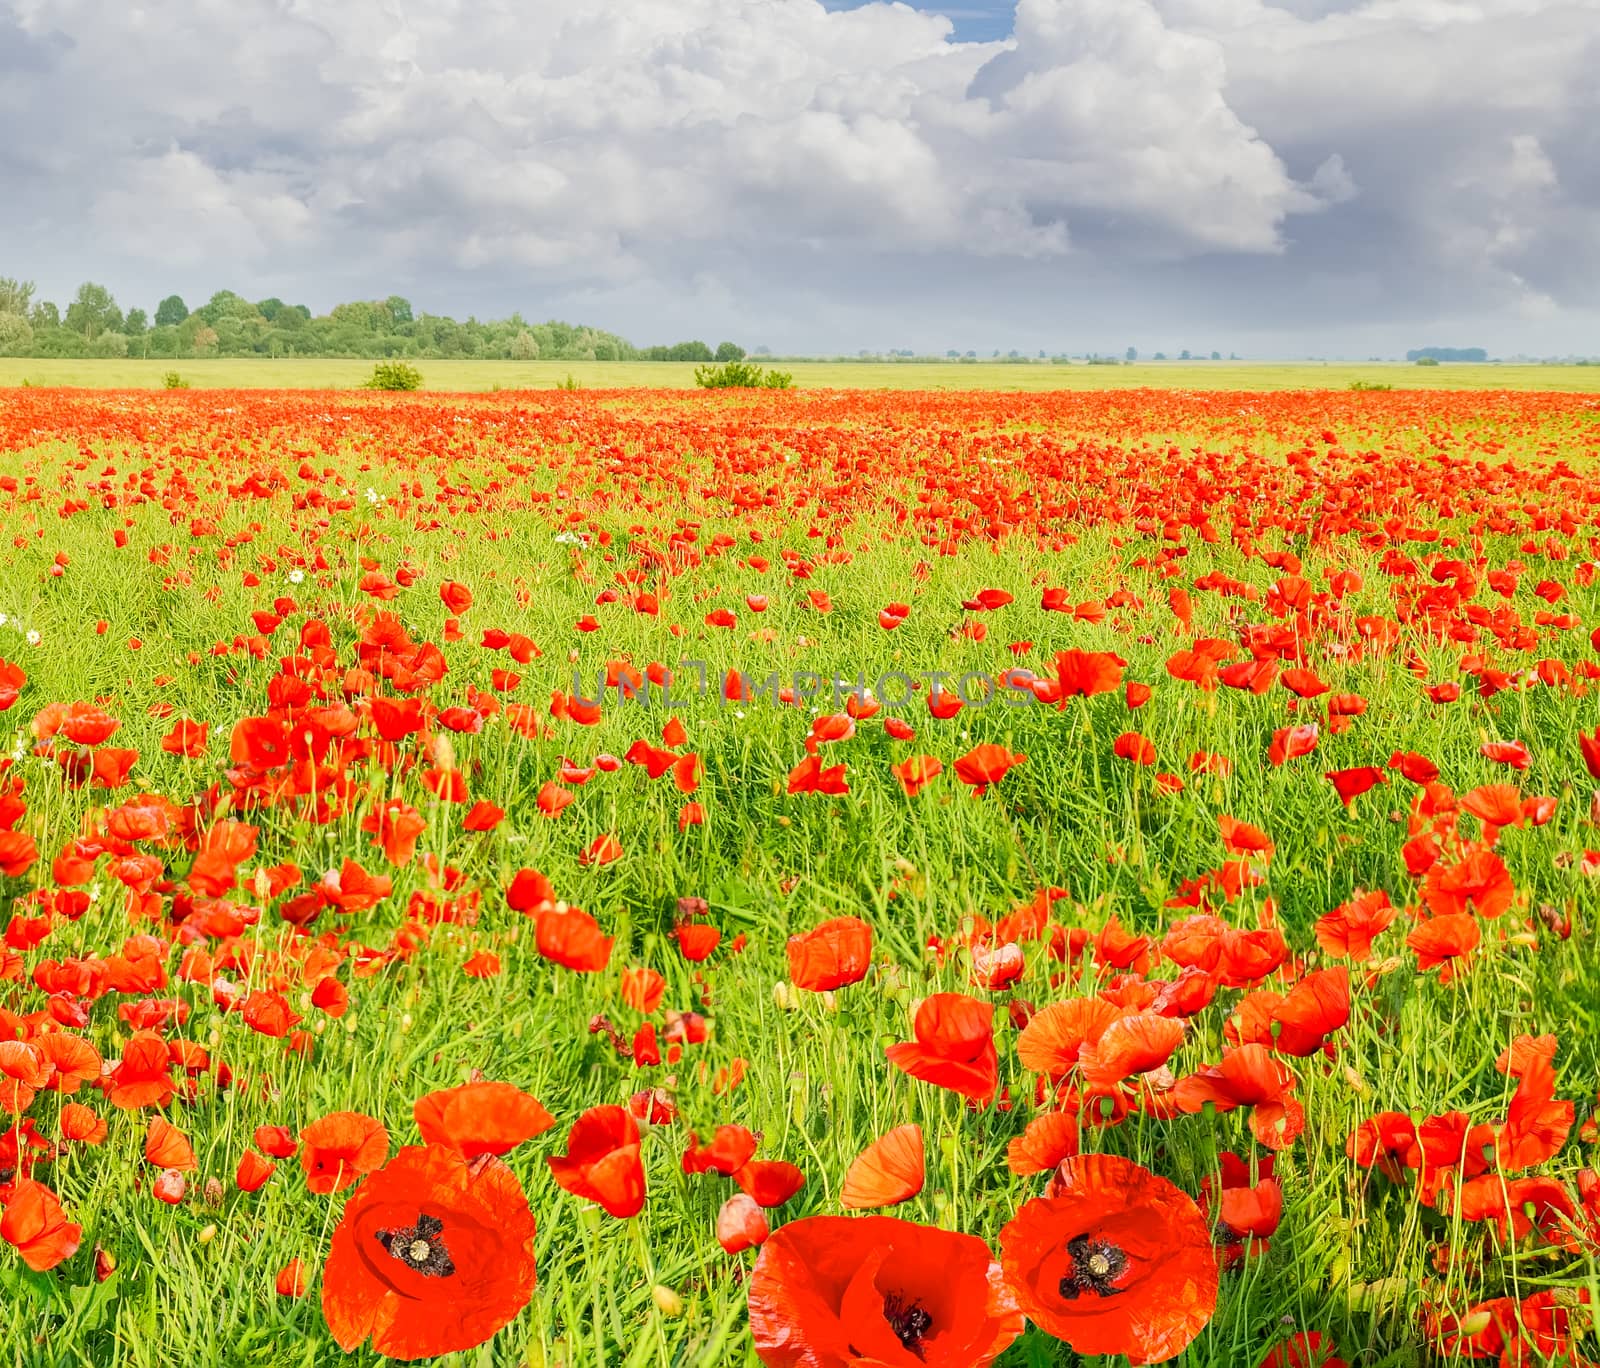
(36, 1227)
(846, 1292)
(480, 1118)
(1248, 1077)
(433, 1254)
(1113, 1260)
(602, 1161)
(339, 1148)
(832, 955)
(954, 1046)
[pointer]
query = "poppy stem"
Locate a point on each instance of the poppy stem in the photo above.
(647, 1267)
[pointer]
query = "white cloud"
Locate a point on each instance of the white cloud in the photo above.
(1400, 155)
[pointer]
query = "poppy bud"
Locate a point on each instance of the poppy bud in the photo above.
(170, 1186)
(741, 1224)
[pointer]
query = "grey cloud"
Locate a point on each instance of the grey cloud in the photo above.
(1307, 174)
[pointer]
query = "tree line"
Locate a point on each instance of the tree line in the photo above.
(94, 325)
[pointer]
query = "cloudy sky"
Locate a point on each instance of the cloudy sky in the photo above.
(1301, 177)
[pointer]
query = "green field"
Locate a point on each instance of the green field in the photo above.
(328, 373)
(1294, 776)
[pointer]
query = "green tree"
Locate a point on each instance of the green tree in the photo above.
(729, 351)
(16, 336)
(44, 316)
(16, 296)
(227, 304)
(171, 311)
(93, 311)
(523, 347)
(399, 309)
(136, 323)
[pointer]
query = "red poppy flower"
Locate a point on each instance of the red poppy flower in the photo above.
(729, 1150)
(602, 1162)
(1350, 784)
(844, 1292)
(529, 891)
(1113, 1260)
(480, 1118)
(833, 955)
(953, 1046)
(771, 1182)
(253, 1172)
(11, 681)
(1248, 1077)
(338, 1148)
(1308, 1349)
(1537, 1123)
(1044, 1145)
(985, 765)
(915, 772)
(1132, 746)
(571, 937)
(741, 1224)
(603, 850)
(82, 1124)
(1289, 742)
(889, 1171)
(809, 776)
(1313, 1010)
(36, 1227)
(1589, 746)
(1054, 1037)
(1086, 673)
(433, 1255)
(1349, 930)
(142, 1077)
(1442, 941)
(167, 1147)
(292, 1280)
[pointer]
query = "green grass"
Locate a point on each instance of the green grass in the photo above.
(481, 502)
(313, 373)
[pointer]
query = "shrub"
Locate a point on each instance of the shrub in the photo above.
(570, 382)
(172, 380)
(394, 375)
(741, 375)
(1427, 360)
(1368, 386)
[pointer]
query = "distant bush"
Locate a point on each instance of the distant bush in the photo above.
(741, 375)
(1427, 360)
(172, 380)
(394, 375)
(1367, 386)
(1448, 354)
(569, 383)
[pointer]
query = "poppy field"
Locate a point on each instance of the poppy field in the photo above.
(809, 879)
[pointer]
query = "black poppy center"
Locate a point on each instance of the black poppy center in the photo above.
(909, 1320)
(420, 1247)
(1096, 1266)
